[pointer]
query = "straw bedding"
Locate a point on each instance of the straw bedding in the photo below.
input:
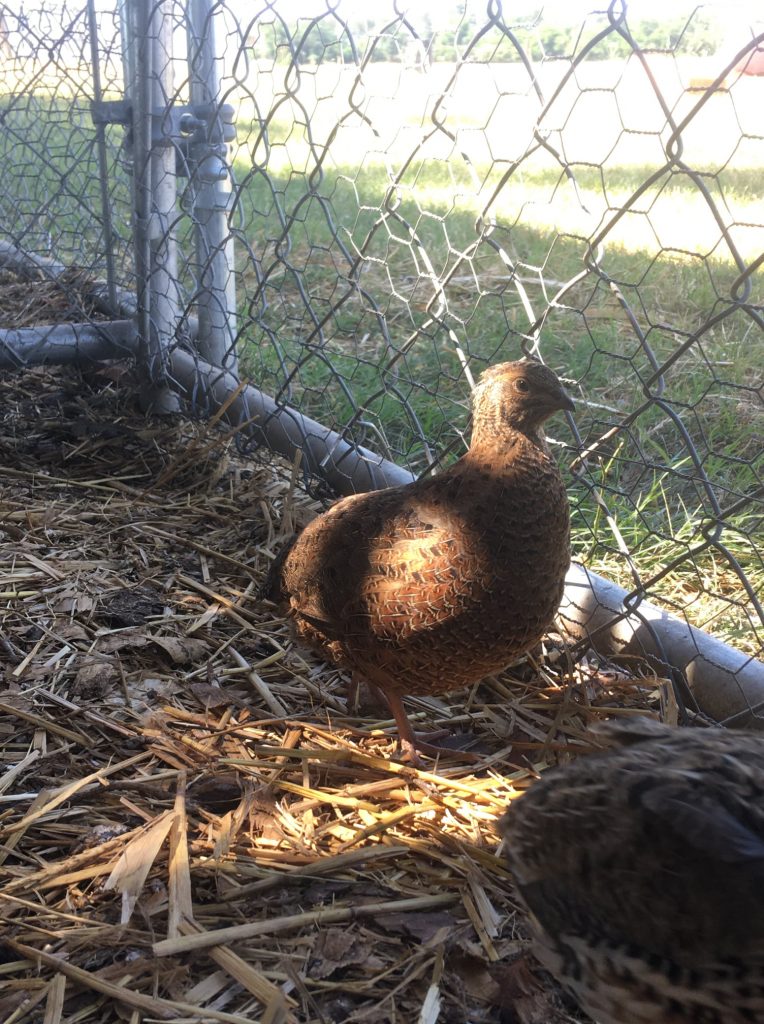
(193, 824)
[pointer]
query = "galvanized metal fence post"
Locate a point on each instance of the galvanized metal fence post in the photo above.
(156, 261)
(210, 187)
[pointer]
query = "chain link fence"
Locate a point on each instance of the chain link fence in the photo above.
(408, 198)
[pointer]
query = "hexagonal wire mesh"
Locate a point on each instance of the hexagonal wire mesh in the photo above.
(415, 196)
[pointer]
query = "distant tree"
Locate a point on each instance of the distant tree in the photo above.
(328, 38)
(697, 35)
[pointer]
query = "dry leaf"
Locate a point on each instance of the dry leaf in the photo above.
(70, 630)
(129, 639)
(430, 929)
(182, 650)
(474, 974)
(70, 602)
(130, 607)
(148, 689)
(210, 696)
(15, 699)
(95, 680)
(335, 948)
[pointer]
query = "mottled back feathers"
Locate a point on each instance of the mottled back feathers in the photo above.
(643, 868)
(431, 586)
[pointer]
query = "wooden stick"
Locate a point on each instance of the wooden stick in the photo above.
(327, 915)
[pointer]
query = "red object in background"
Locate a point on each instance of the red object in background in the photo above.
(752, 63)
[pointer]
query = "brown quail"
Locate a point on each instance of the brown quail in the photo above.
(643, 870)
(429, 587)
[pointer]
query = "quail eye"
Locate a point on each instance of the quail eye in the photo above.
(521, 384)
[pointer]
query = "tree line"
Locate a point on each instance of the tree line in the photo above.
(327, 38)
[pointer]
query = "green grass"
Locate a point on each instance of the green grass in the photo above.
(658, 498)
(366, 297)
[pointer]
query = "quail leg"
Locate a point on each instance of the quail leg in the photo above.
(410, 743)
(406, 734)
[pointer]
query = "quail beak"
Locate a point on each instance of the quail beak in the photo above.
(564, 401)
(554, 401)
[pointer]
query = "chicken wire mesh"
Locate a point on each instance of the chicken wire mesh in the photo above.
(411, 196)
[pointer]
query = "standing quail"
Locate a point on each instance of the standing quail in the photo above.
(431, 586)
(643, 870)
